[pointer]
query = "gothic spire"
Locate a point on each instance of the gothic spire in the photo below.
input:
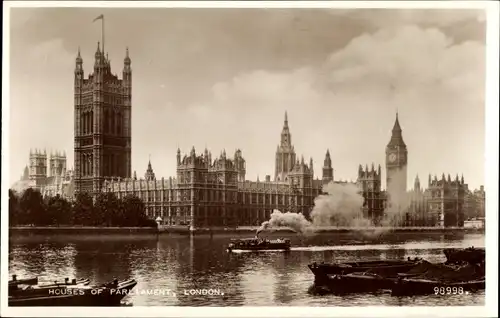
(286, 137)
(79, 59)
(127, 61)
(149, 175)
(417, 183)
(328, 160)
(397, 135)
(396, 127)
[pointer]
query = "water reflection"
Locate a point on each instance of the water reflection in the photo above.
(186, 265)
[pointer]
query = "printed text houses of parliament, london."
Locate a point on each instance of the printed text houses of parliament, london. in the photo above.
(213, 191)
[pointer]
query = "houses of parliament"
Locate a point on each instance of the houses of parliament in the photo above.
(212, 190)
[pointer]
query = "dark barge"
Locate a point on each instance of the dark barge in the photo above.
(386, 268)
(470, 255)
(440, 279)
(419, 286)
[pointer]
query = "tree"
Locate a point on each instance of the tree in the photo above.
(32, 207)
(106, 209)
(14, 210)
(83, 209)
(134, 212)
(59, 211)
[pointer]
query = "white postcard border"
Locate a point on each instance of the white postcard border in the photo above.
(491, 174)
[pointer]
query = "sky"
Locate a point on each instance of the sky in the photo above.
(223, 79)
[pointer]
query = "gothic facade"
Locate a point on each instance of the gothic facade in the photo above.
(209, 191)
(474, 204)
(446, 201)
(370, 184)
(102, 123)
(48, 174)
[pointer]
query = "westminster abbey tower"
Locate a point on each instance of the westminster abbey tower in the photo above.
(102, 123)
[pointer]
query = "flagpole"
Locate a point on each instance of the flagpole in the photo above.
(102, 35)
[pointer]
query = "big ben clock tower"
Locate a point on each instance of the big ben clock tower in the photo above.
(396, 163)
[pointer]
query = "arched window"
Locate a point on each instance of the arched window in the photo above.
(82, 164)
(86, 163)
(106, 124)
(86, 118)
(82, 123)
(91, 121)
(85, 123)
(112, 123)
(91, 165)
(89, 118)
(119, 124)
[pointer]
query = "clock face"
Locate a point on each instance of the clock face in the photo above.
(392, 157)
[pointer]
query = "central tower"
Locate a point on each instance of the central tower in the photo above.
(285, 154)
(396, 164)
(102, 123)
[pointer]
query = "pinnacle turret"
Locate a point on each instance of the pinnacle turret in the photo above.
(79, 60)
(328, 161)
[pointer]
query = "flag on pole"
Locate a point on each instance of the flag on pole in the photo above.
(99, 18)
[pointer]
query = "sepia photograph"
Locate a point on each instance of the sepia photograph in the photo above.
(272, 159)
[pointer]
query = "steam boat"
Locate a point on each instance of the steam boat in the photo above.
(258, 244)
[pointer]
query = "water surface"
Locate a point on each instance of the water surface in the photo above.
(169, 268)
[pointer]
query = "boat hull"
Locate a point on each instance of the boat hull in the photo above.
(356, 283)
(382, 268)
(14, 290)
(412, 287)
(111, 295)
(26, 281)
(469, 255)
(256, 244)
(280, 247)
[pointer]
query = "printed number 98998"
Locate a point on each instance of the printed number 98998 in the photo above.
(448, 290)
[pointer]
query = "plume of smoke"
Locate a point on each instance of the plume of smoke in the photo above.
(296, 221)
(340, 206)
(397, 203)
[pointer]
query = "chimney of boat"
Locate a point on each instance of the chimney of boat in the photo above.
(73, 281)
(66, 280)
(14, 277)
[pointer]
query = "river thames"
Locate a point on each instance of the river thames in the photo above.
(174, 270)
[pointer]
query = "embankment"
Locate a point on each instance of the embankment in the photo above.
(79, 230)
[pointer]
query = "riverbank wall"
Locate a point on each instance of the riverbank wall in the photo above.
(248, 231)
(79, 230)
